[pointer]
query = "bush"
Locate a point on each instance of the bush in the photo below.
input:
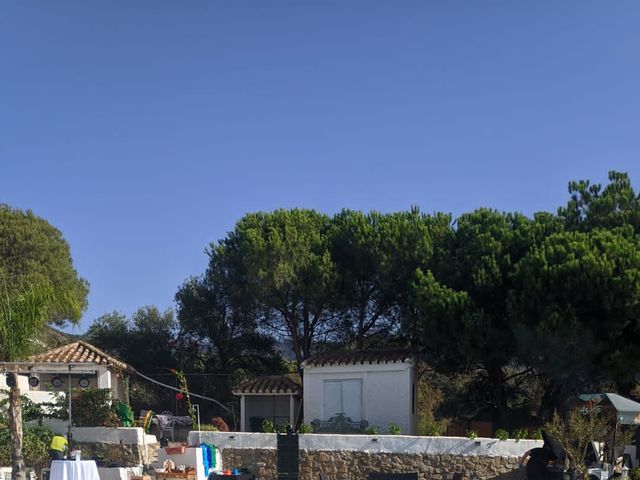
(372, 430)
(435, 428)
(394, 429)
(501, 434)
(634, 474)
(268, 426)
(537, 435)
(205, 427)
(305, 428)
(472, 434)
(92, 408)
(520, 433)
(35, 447)
(282, 427)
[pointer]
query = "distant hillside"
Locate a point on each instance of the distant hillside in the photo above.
(50, 338)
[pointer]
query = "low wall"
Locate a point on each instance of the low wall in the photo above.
(124, 446)
(353, 457)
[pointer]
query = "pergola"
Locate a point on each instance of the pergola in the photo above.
(273, 397)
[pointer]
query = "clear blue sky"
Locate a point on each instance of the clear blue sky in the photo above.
(145, 129)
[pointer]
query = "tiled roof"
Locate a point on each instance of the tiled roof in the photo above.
(270, 384)
(79, 352)
(360, 357)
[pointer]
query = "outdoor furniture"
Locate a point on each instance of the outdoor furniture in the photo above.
(144, 420)
(74, 470)
(166, 422)
(339, 424)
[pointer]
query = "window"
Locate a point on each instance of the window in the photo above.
(343, 396)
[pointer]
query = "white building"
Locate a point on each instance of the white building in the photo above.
(378, 387)
(77, 364)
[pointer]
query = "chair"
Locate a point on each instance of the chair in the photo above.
(144, 420)
(169, 423)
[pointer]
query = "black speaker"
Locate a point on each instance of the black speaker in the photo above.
(11, 380)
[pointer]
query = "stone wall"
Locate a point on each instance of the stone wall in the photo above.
(354, 465)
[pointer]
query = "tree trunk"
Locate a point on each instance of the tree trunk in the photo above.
(496, 379)
(15, 432)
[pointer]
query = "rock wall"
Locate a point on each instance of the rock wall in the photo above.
(355, 465)
(122, 454)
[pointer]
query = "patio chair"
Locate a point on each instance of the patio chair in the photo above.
(144, 420)
(169, 424)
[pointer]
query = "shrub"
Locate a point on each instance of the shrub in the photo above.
(634, 474)
(435, 428)
(394, 429)
(282, 427)
(372, 430)
(472, 434)
(205, 427)
(537, 435)
(35, 447)
(501, 434)
(305, 428)
(268, 426)
(520, 433)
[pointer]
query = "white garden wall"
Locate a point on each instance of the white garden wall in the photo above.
(490, 447)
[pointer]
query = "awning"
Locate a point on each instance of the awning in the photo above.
(628, 410)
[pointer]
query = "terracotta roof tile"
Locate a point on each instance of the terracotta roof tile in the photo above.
(360, 357)
(269, 384)
(79, 352)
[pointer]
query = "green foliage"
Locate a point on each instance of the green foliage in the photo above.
(35, 446)
(501, 434)
(519, 434)
(204, 427)
(634, 473)
(432, 428)
(461, 301)
(305, 428)
(145, 340)
(576, 431)
(472, 434)
(33, 253)
(576, 306)
(537, 434)
(372, 430)
(394, 429)
(591, 206)
(268, 426)
(92, 407)
(282, 427)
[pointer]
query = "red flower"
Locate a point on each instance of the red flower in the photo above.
(179, 396)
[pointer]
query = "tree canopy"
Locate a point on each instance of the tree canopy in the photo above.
(514, 314)
(33, 252)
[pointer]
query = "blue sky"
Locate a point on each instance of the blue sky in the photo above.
(144, 129)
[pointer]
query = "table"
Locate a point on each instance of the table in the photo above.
(74, 470)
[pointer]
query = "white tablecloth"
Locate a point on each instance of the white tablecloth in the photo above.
(74, 470)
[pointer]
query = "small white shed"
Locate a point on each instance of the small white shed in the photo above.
(377, 386)
(270, 397)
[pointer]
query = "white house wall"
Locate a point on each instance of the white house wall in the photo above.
(23, 384)
(386, 392)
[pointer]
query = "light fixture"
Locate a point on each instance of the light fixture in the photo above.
(34, 381)
(84, 382)
(56, 382)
